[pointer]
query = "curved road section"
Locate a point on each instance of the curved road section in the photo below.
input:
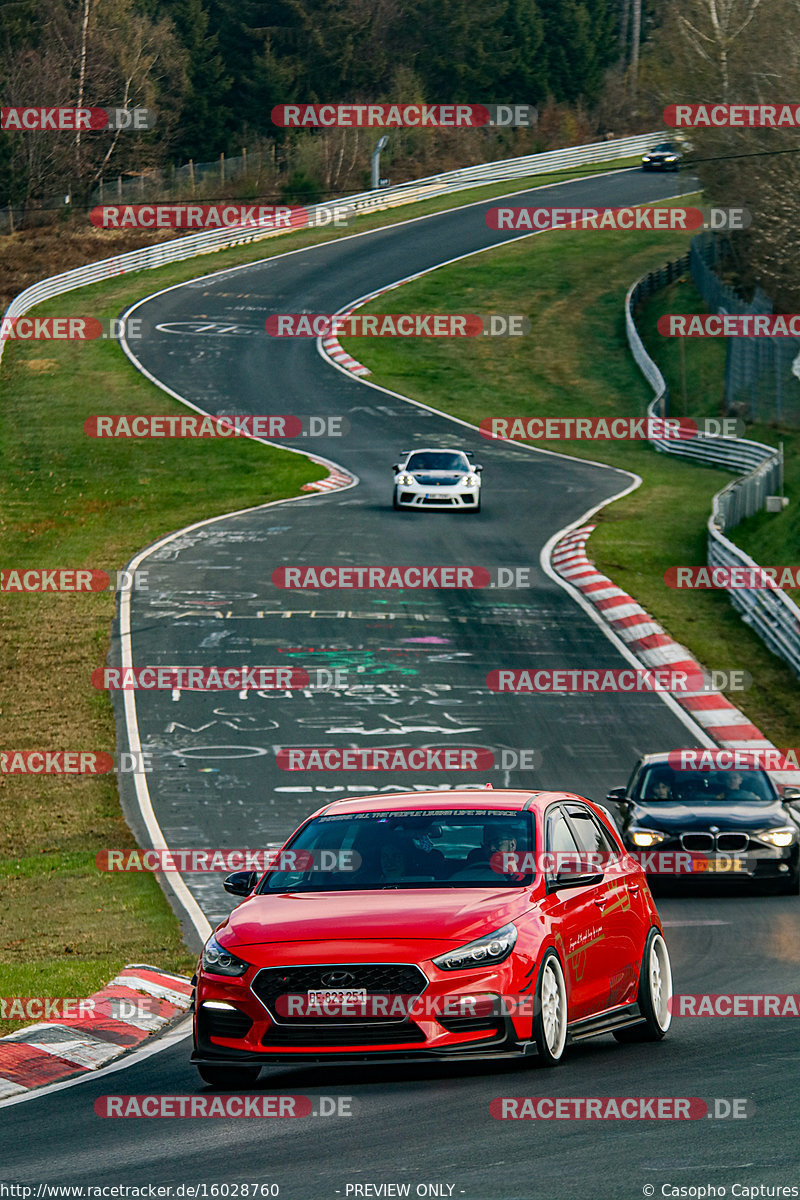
(413, 663)
(414, 668)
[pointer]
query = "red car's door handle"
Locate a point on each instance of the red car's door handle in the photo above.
(633, 888)
(601, 902)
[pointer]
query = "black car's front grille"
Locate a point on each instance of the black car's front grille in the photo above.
(703, 842)
(224, 1022)
(735, 843)
(342, 1035)
(385, 979)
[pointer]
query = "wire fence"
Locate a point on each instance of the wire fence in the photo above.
(255, 173)
(769, 611)
(761, 373)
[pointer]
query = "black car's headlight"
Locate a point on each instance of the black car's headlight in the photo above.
(220, 961)
(785, 836)
(643, 837)
(485, 951)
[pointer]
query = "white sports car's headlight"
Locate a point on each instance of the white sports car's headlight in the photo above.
(484, 951)
(470, 481)
(405, 480)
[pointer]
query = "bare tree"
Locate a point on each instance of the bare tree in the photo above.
(712, 27)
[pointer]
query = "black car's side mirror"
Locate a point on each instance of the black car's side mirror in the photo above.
(790, 794)
(573, 879)
(240, 883)
(617, 793)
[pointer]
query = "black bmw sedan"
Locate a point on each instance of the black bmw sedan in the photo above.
(700, 824)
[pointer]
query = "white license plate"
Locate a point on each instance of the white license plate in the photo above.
(337, 996)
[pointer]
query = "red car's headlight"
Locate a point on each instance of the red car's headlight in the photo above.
(485, 951)
(220, 961)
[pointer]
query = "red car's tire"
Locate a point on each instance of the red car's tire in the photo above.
(550, 1011)
(654, 996)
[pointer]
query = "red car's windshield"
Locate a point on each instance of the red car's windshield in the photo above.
(434, 848)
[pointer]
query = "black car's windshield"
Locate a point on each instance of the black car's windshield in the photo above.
(420, 849)
(663, 147)
(659, 782)
(437, 460)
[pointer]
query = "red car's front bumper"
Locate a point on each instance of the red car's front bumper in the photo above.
(453, 1016)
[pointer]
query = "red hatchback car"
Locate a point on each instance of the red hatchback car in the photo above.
(441, 925)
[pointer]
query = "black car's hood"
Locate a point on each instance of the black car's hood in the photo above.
(672, 816)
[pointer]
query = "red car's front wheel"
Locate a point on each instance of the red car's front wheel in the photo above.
(550, 1011)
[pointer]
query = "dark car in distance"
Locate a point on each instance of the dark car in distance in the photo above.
(732, 822)
(663, 157)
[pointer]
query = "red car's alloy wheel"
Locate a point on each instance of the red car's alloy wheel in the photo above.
(550, 1015)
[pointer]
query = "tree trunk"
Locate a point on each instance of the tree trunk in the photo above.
(82, 74)
(636, 35)
(624, 24)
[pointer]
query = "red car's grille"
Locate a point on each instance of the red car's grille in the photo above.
(339, 1035)
(393, 979)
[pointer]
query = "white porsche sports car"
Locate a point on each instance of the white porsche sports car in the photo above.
(444, 479)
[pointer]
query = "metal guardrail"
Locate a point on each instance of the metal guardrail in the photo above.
(769, 611)
(210, 241)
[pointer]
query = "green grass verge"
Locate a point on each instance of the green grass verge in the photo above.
(576, 362)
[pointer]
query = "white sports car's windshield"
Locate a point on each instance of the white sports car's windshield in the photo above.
(431, 848)
(437, 460)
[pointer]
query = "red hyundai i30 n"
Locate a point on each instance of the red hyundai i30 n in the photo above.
(440, 925)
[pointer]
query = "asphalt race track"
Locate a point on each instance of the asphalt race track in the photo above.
(416, 665)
